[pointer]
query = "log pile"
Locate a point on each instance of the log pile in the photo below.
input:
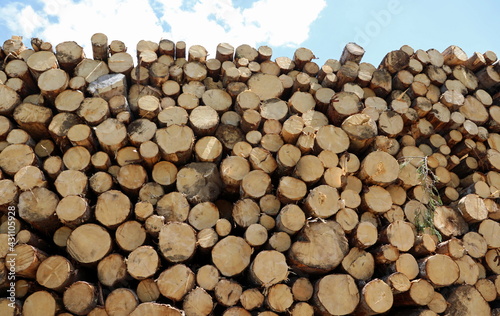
(241, 185)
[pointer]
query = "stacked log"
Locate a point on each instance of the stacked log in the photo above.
(239, 185)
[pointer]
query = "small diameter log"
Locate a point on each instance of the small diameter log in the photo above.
(322, 202)
(440, 270)
(217, 99)
(379, 168)
(228, 292)
(336, 294)
(279, 298)
(89, 243)
(40, 62)
(203, 215)
(199, 181)
(69, 54)
(203, 120)
(100, 48)
(147, 290)
(352, 52)
(290, 219)
(73, 210)
(421, 293)
(143, 262)
(245, 212)
(291, 190)
(29, 177)
(173, 206)
(130, 235)
(269, 268)
(176, 152)
(16, 156)
(476, 305)
(198, 303)
(121, 301)
(112, 208)
(251, 299)
(309, 169)
(207, 277)
(233, 169)
(28, 260)
(449, 222)
(34, 119)
(37, 207)
(112, 270)
(177, 242)
(376, 298)
(131, 178)
(112, 135)
(361, 130)
(255, 184)
(359, 264)
(376, 199)
(52, 82)
(400, 234)
(303, 256)
(331, 138)
(155, 309)
(9, 100)
(236, 264)
(41, 302)
(265, 86)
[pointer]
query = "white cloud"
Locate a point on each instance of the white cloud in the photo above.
(274, 22)
(22, 19)
(198, 22)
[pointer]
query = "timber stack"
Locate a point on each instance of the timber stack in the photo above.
(242, 185)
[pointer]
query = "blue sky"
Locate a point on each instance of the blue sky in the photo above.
(284, 25)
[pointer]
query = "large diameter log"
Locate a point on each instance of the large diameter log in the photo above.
(336, 294)
(308, 253)
(177, 242)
